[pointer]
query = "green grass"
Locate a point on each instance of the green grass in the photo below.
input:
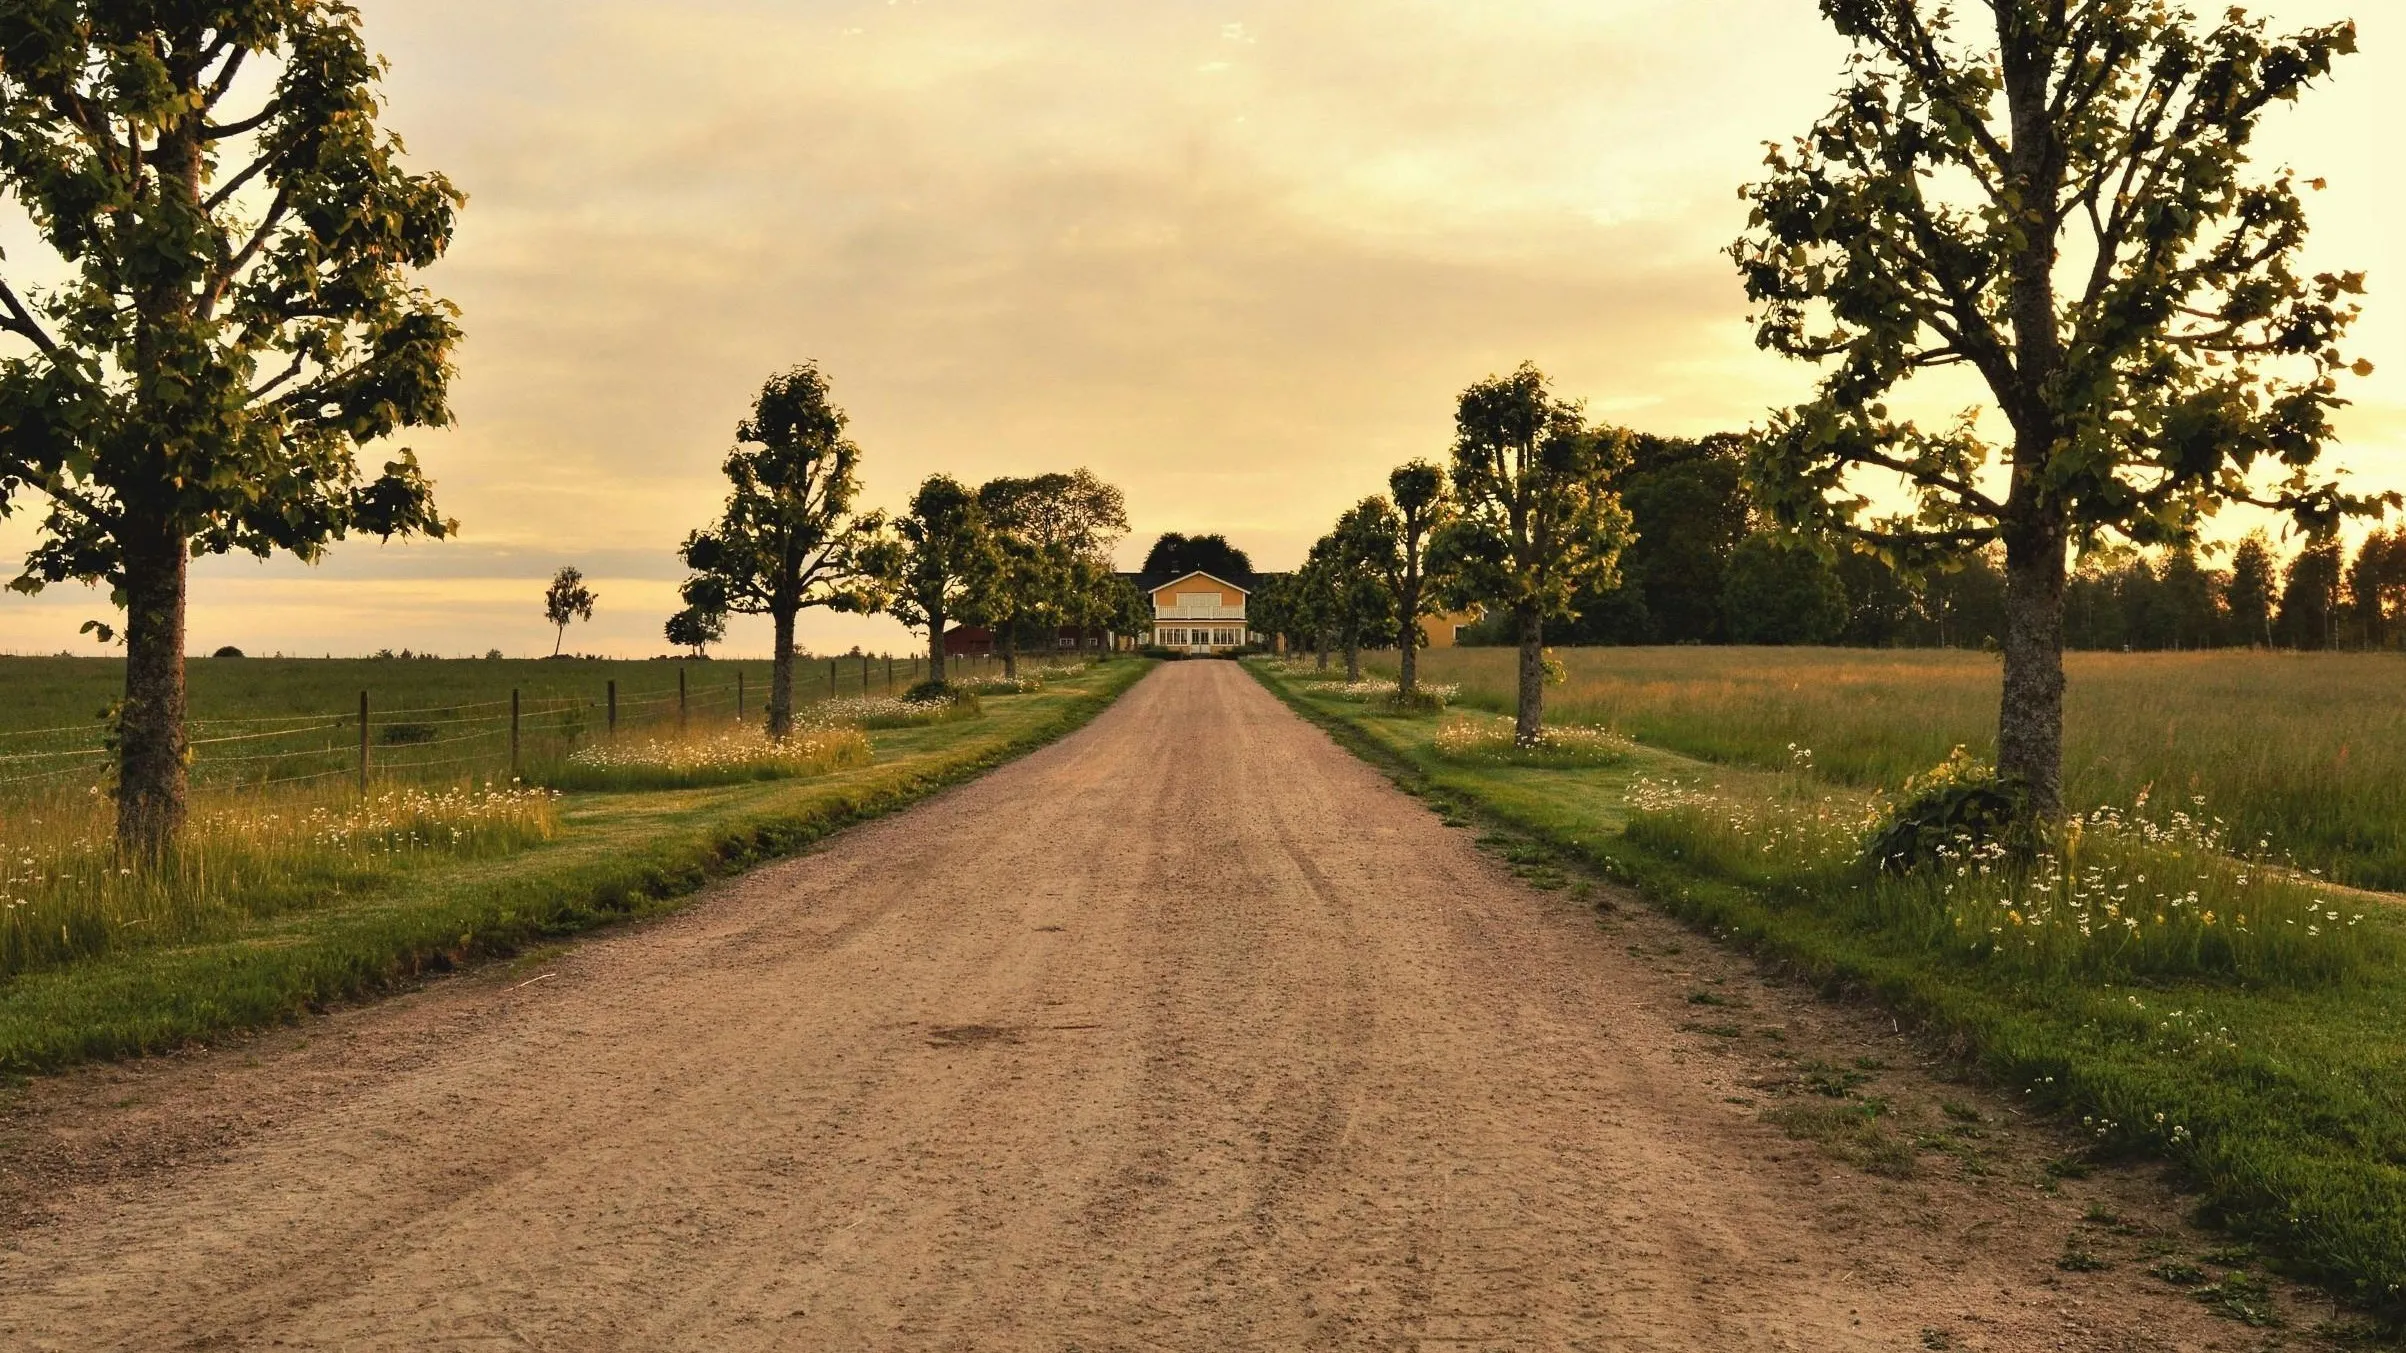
(2304, 751)
(295, 720)
(614, 856)
(2278, 1089)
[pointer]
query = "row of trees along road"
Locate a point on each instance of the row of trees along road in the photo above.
(1023, 556)
(1525, 523)
(2052, 196)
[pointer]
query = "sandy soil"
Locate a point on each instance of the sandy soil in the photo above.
(1189, 1032)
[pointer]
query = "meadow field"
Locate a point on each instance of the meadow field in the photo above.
(2304, 753)
(286, 721)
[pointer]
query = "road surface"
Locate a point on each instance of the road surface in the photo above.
(1188, 1032)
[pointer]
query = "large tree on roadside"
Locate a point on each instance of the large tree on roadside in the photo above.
(939, 563)
(233, 318)
(1535, 523)
(787, 538)
(1417, 491)
(2053, 195)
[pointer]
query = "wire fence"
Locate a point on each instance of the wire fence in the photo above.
(486, 738)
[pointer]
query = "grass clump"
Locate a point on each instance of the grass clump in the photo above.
(1851, 1131)
(1556, 748)
(730, 756)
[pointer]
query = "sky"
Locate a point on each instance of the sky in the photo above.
(1236, 259)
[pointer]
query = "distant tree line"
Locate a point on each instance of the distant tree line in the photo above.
(1704, 566)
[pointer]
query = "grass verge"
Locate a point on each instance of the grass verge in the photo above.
(616, 856)
(2286, 1114)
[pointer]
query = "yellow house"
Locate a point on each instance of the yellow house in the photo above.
(1445, 630)
(1199, 614)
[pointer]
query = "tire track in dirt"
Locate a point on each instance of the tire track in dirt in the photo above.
(1188, 1032)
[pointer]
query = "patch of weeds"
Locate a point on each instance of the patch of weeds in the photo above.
(1776, 1035)
(2067, 1167)
(2240, 1296)
(2231, 1256)
(1870, 1064)
(1850, 1132)
(1737, 1099)
(1959, 1111)
(2099, 1214)
(1708, 998)
(1716, 1030)
(1824, 1078)
(1936, 1338)
(2178, 1272)
(2076, 1257)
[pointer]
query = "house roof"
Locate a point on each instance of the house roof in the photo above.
(1198, 573)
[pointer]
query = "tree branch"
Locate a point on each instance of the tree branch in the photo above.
(21, 321)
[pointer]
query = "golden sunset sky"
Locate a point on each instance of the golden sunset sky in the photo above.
(1237, 259)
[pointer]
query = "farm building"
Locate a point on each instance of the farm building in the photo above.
(1199, 613)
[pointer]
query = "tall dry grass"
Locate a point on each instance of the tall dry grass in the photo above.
(2302, 754)
(65, 894)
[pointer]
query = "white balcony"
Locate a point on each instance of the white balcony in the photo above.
(1185, 611)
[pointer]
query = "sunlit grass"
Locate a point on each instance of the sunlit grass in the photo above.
(66, 894)
(724, 756)
(2304, 752)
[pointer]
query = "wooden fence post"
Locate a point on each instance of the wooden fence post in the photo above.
(613, 707)
(889, 674)
(831, 678)
(739, 695)
(363, 742)
(680, 702)
(514, 733)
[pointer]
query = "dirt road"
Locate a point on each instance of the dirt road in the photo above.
(1189, 1032)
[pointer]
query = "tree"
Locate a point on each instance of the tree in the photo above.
(2059, 204)
(2249, 597)
(1052, 534)
(787, 538)
(236, 320)
(1534, 522)
(938, 564)
(1175, 556)
(2377, 585)
(1780, 592)
(1688, 509)
(2310, 593)
(696, 629)
(1359, 562)
(567, 599)
(1417, 490)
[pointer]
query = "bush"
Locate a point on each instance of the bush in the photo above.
(924, 704)
(1959, 805)
(229, 651)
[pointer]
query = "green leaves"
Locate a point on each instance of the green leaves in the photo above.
(1536, 522)
(2087, 242)
(238, 319)
(787, 538)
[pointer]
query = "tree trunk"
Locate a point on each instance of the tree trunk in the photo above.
(1353, 655)
(1006, 634)
(1407, 646)
(781, 676)
(151, 739)
(2030, 713)
(935, 648)
(1529, 719)
(1320, 650)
